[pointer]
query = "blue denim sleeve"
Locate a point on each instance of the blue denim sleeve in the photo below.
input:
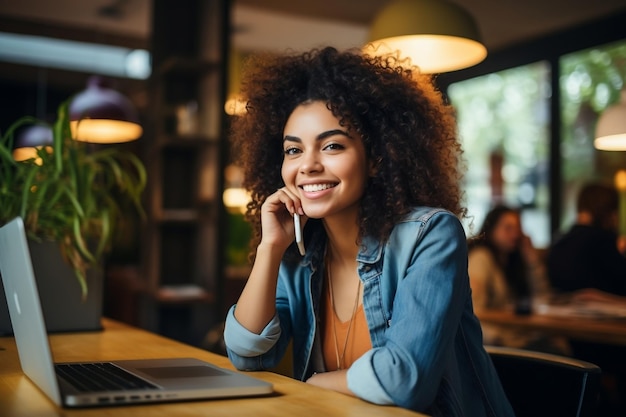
(245, 347)
(407, 367)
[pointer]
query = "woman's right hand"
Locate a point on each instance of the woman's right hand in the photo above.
(277, 218)
(257, 303)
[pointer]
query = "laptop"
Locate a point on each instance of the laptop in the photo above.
(106, 383)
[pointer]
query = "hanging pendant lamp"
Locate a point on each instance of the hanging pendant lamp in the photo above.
(437, 35)
(100, 114)
(30, 140)
(611, 127)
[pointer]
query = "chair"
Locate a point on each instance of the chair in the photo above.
(541, 384)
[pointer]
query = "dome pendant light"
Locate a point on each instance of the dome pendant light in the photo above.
(437, 35)
(102, 115)
(38, 135)
(30, 140)
(611, 127)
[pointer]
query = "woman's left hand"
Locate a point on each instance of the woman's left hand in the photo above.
(529, 253)
(335, 380)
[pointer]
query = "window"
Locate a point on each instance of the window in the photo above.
(503, 121)
(590, 81)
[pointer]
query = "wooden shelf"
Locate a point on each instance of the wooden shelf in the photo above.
(183, 294)
(178, 215)
(182, 252)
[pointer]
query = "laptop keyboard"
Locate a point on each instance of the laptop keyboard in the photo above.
(93, 377)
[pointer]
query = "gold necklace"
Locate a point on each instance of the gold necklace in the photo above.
(341, 359)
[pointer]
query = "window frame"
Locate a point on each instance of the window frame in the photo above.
(549, 48)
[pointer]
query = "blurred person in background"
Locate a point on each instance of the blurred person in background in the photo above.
(587, 264)
(507, 273)
(587, 257)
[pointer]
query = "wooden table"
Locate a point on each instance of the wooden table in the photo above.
(19, 397)
(607, 331)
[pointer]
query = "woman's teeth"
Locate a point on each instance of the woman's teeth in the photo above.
(316, 187)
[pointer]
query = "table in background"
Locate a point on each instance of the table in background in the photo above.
(598, 330)
(19, 397)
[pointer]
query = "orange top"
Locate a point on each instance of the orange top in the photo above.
(359, 338)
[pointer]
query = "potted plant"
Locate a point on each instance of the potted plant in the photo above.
(72, 194)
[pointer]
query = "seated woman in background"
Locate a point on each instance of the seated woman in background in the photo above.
(507, 272)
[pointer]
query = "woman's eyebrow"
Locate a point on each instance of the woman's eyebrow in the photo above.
(333, 132)
(321, 136)
(288, 138)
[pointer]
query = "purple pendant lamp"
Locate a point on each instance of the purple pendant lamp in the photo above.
(100, 114)
(30, 140)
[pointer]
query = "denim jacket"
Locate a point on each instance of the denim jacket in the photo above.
(427, 352)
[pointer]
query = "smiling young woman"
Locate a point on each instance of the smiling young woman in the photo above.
(365, 152)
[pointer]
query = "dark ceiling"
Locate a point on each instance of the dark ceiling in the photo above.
(501, 22)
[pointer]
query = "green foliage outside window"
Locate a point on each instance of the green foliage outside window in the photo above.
(506, 114)
(590, 81)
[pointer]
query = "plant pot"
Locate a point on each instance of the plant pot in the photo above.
(63, 308)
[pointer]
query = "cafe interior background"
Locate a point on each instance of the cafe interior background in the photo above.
(527, 116)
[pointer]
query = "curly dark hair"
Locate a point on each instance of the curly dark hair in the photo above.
(408, 131)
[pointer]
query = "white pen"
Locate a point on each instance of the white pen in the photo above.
(299, 241)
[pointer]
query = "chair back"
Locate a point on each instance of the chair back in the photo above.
(541, 384)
